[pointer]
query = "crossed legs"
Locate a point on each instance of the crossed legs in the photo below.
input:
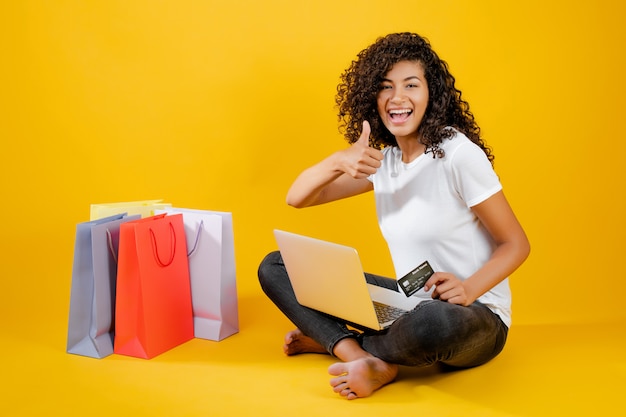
(435, 331)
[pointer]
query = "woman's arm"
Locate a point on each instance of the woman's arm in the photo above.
(342, 174)
(512, 249)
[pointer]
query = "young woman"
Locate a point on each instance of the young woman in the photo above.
(416, 144)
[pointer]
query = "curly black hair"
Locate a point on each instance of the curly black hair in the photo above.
(360, 83)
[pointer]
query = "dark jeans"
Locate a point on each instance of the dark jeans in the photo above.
(434, 332)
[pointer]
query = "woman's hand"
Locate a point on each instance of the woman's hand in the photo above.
(360, 160)
(448, 288)
(343, 174)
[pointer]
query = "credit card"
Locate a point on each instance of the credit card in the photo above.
(415, 280)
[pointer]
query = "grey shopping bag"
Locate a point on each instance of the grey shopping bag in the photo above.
(92, 298)
(211, 247)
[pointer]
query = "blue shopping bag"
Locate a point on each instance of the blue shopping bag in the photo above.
(92, 298)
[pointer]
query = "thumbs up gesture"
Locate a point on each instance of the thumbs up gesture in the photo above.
(364, 139)
(361, 160)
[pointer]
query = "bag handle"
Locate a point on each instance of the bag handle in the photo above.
(195, 244)
(172, 247)
(110, 242)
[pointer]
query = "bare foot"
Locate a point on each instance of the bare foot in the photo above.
(296, 343)
(361, 377)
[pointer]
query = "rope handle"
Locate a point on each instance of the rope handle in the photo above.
(110, 242)
(172, 247)
(195, 244)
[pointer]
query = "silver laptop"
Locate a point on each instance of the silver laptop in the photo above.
(329, 277)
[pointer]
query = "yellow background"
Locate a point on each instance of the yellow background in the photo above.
(219, 105)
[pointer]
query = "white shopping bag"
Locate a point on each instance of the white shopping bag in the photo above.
(211, 247)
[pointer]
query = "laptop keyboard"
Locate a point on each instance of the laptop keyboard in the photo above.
(386, 312)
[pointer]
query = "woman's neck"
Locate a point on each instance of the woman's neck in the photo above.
(411, 148)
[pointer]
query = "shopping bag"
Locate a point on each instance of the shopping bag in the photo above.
(145, 208)
(153, 310)
(92, 298)
(210, 243)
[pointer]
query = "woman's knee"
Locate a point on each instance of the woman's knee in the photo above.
(455, 333)
(268, 267)
(437, 324)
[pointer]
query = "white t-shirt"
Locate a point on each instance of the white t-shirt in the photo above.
(424, 213)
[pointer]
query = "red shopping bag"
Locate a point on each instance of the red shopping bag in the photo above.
(153, 310)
